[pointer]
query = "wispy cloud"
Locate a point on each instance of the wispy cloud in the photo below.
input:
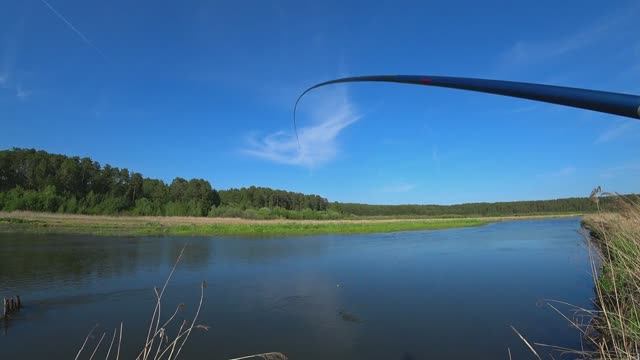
(73, 28)
(435, 156)
(636, 66)
(398, 188)
(9, 74)
(564, 172)
(8, 59)
(21, 93)
(624, 169)
(615, 132)
(332, 112)
(523, 109)
(4, 80)
(8, 82)
(524, 52)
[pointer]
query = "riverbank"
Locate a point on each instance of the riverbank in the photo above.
(617, 281)
(53, 223)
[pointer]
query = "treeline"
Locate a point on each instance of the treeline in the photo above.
(260, 197)
(40, 181)
(265, 203)
(513, 208)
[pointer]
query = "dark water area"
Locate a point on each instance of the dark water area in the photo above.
(408, 295)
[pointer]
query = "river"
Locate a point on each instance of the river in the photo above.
(407, 295)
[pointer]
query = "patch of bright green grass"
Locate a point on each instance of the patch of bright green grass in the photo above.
(244, 229)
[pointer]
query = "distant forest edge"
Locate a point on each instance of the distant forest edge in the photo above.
(39, 181)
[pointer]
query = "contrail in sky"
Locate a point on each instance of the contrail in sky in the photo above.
(75, 30)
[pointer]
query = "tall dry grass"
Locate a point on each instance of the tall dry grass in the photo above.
(614, 331)
(160, 342)
(611, 330)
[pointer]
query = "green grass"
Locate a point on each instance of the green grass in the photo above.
(617, 283)
(310, 228)
(243, 229)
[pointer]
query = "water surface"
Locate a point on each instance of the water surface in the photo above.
(408, 295)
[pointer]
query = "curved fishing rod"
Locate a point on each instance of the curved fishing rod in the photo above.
(607, 102)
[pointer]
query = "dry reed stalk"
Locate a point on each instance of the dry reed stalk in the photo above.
(526, 343)
(157, 338)
(97, 347)
(157, 343)
(264, 356)
(613, 329)
(113, 338)
(85, 342)
(618, 236)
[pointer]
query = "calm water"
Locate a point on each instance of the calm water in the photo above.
(417, 295)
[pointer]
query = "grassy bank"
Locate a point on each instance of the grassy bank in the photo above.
(31, 222)
(617, 282)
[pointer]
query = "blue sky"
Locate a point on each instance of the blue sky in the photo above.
(206, 89)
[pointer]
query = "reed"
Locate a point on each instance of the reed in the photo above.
(611, 330)
(616, 322)
(160, 343)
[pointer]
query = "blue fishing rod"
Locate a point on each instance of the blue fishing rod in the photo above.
(603, 101)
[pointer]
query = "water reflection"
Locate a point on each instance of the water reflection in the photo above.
(412, 295)
(32, 260)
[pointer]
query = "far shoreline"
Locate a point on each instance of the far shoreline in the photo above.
(123, 225)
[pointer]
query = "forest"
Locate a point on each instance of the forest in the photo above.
(512, 208)
(40, 181)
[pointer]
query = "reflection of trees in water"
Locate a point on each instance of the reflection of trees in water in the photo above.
(27, 260)
(198, 253)
(256, 250)
(26, 257)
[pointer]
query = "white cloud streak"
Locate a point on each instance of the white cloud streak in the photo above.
(524, 53)
(564, 172)
(332, 112)
(73, 28)
(9, 75)
(7, 64)
(398, 188)
(435, 156)
(21, 93)
(4, 80)
(614, 132)
(616, 171)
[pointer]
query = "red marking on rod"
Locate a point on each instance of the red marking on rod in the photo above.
(425, 81)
